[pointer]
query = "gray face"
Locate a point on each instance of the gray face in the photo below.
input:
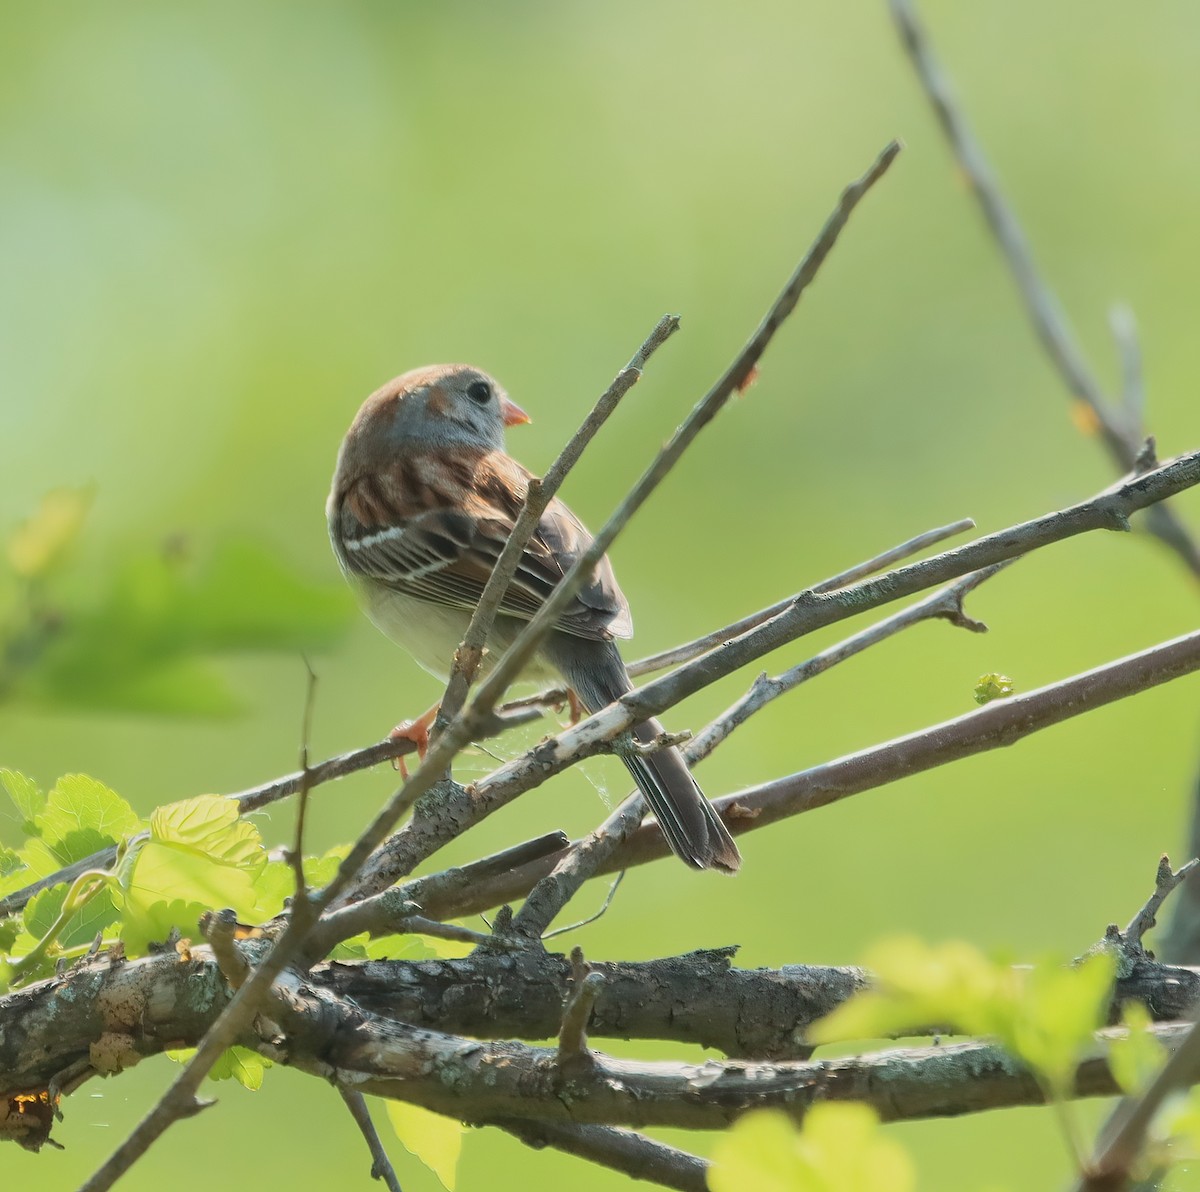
(450, 406)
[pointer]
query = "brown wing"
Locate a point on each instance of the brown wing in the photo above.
(400, 527)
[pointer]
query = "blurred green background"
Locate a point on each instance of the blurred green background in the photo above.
(223, 225)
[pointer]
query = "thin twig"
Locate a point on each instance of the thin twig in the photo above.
(585, 988)
(630, 1153)
(1000, 723)
(729, 383)
(523, 712)
(541, 492)
(1165, 881)
(608, 899)
(1122, 436)
(1109, 510)
(378, 914)
(296, 855)
(248, 1000)
(945, 603)
(1133, 382)
(587, 856)
(381, 1165)
(372, 878)
(709, 641)
(591, 853)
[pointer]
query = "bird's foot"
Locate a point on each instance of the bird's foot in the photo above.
(416, 731)
(577, 709)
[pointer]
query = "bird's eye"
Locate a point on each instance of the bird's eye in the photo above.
(480, 392)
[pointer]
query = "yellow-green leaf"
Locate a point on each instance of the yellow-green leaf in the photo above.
(26, 798)
(237, 1063)
(840, 1148)
(1136, 1057)
(993, 686)
(210, 824)
(42, 540)
(1059, 1009)
(952, 985)
(82, 815)
(432, 1138)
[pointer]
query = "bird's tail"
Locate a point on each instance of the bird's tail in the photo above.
(693, 829)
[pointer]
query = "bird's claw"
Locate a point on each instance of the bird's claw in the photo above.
(416, 731)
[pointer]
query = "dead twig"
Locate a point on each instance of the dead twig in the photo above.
(1120, 429)
(585, 988)
(630, 1153)
(381, 1165)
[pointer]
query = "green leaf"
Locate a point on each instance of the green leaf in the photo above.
(993, 686)
(1057, 1013)
(951, 985)
(434, 1139)
(98, 913)
(148, 916)
(172, 887)
(10, 930)
(243, 1065)
(26, 798)
(238, 1063)
(200, 856)
(275, 883)
(210, 825)
(1136, 1057)
(40, 862)
(401, 947)
(10, 863)
(135, 640)
(839, 1149)
(82, 816)
(1180, 1122)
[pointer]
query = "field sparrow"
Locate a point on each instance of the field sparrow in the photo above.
(423, 500)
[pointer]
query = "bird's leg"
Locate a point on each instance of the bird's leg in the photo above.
(577, 709)
(416, 731)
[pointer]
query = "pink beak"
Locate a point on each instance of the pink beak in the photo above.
(512, 413)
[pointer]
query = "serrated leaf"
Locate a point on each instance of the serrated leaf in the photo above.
(200, 856)
(210, 824)
(238, 1063)
(320, 871)
(98, 913)
(10, 930)
(839, 1149)
(171, 887)
(243, 1065)
(434, 1139)
(42, 909)
(40, 862)
(355, 948)
(26, 798)
(41, 541)
(82, 815)
(10, 863)
(275, 883)
(149, 918)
